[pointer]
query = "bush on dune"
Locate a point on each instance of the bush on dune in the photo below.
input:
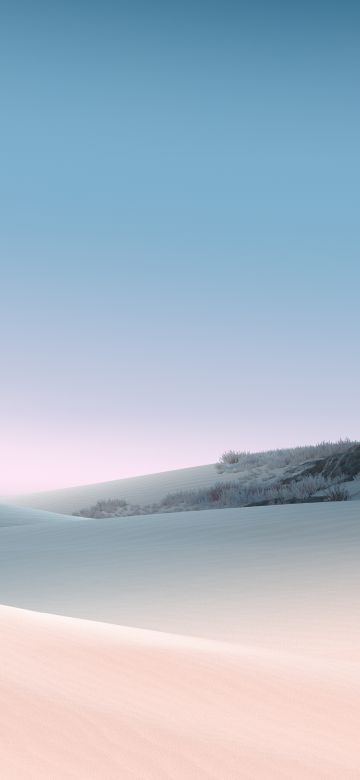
(337, 493)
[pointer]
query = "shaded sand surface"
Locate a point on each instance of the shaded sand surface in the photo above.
(211, 645)
(88, 700)
(244, 575)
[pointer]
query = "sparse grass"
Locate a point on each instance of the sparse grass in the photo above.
(236, 460)
(290, 487)
(234, 494)
(110, 507)
(229, 494)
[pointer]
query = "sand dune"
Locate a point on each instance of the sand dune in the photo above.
(88, 700)
(220, 644)
(236, 574)
(150, 489)
(145, 489)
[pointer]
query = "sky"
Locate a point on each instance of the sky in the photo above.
(179, 233)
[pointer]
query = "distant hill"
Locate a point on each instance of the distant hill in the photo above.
(198, 487)
(135, 490)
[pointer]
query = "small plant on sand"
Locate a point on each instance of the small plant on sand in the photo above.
(230, 457)
(337, 493)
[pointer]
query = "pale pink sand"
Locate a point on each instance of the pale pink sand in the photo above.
(80, 699)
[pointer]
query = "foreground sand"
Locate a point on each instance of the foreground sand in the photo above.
(268, 690)
(80, 699)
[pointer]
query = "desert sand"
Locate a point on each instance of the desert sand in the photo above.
(217, 645)
(87, 700)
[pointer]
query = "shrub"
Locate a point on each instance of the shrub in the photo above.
(231, 457)
(337, 493)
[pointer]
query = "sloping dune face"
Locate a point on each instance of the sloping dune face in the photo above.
(226, 645)
(87, 700)
(145, 489)
(244, 575)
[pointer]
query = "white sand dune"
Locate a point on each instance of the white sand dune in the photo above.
(146, 489)
(226, 645)
(150, 488)
(236, 574)
(89, 700)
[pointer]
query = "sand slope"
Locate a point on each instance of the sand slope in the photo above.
(88, 700)
(251, 672)
(243, 575)
(145, 489)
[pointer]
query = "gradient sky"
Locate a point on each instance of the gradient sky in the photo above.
(179, 206)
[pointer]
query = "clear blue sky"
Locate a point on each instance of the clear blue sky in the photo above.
(179, 205)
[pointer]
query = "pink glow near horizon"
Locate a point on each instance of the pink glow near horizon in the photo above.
(33, 461)
(36, 462)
